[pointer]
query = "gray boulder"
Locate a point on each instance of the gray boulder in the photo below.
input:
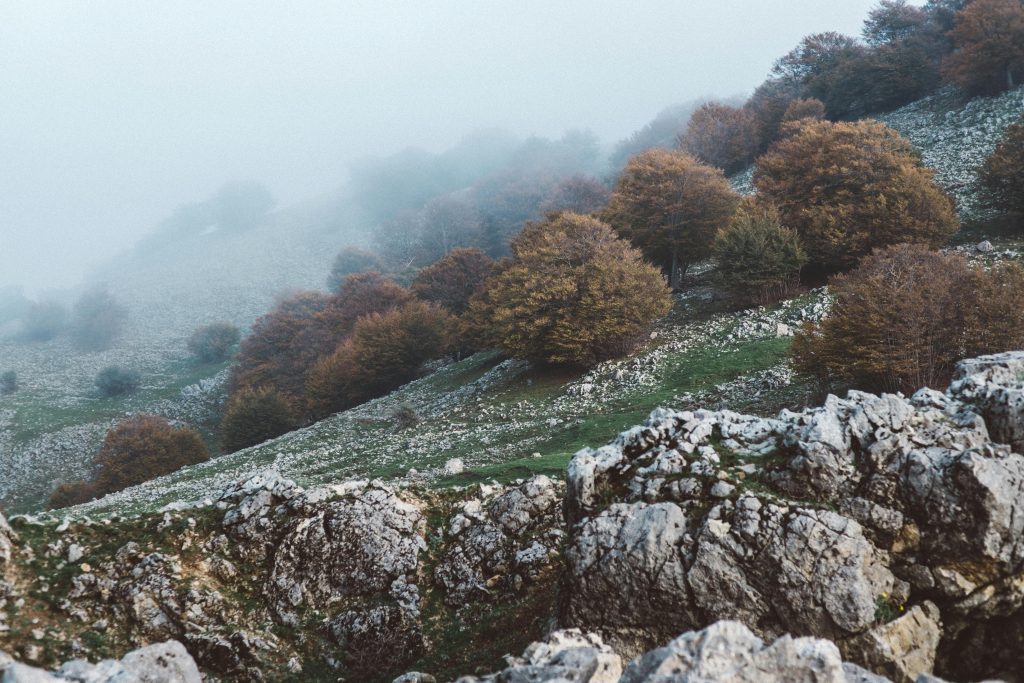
(353, 547)
(166, 662)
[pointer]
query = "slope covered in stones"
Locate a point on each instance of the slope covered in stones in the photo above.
(871, 536)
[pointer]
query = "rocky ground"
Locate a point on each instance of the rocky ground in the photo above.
(880, 531)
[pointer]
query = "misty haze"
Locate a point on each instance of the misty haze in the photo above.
(594, 341)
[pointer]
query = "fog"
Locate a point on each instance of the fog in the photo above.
(114, 112)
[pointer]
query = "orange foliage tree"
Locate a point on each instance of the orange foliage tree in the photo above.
(1002, 174)
(902, 319)
(723, 136)
(988, 37)
(670, 205)
(574, 293)
(847, 188)
(451, 281)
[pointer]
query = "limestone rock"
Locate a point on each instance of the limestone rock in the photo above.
(355, 546)
(900, 649)
(568, 656)
(166, 662)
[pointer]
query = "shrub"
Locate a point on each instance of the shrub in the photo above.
(670, 205)
(114, 380)
(253, 416)
(722, 136)
(451, 281)
(405, 417)
(903, 318)
(989, 39)
(349, 261)
(848, 188)
(70, 493)
(385, 351)
(145, 447)
(1002, 174)
(8, 382)
(212, 343)
(574, 294)
(44, 320)
(97, 319)
(758, 258)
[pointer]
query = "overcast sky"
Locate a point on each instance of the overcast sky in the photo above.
(113, 112)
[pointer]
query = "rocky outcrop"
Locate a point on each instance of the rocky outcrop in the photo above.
(724, 652)
(894, 526)
(500, 542)
(166, 662)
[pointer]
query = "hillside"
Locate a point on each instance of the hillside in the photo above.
(503, 419)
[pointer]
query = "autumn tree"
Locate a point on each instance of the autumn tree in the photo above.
(212, 343)
(145, 447)
(277, 351)
(670, 205)
(254, 415)
(769, 104)
(988, 37)
(902, 319)
(574, 294)
(800, 109)
(1002, 174)
(349, 261)
(848, 188)
(385, 351)
(758, 258)
(722, 136)
(578, 194)
(451, 281)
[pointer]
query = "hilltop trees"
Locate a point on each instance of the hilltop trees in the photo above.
(670, 205)
(722, 136)
(578, 194)
(903, 318)
(349, 261)
(574, 293)
(451, 281)
(1002, 174)
(758, 258)
(97, 319)
(847, 188)
(989, 39)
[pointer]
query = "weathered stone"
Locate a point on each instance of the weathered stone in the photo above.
(900, 649)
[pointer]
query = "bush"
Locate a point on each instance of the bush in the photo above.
(8, 382)
(349, 261)
(44, 320)
(212, 343)
(253, 416)
(1002, 174)
(114, 380)
(142, 448)
(670, 206)
(573, 294)
(848, 188)
(758, 258)
(97, 319)
(385, 351)
(902, 319)
(405, 417)
(451, 282)
(70, 493)
(722, 136)
(989, 39)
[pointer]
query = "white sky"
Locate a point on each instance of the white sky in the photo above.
(113, 112)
